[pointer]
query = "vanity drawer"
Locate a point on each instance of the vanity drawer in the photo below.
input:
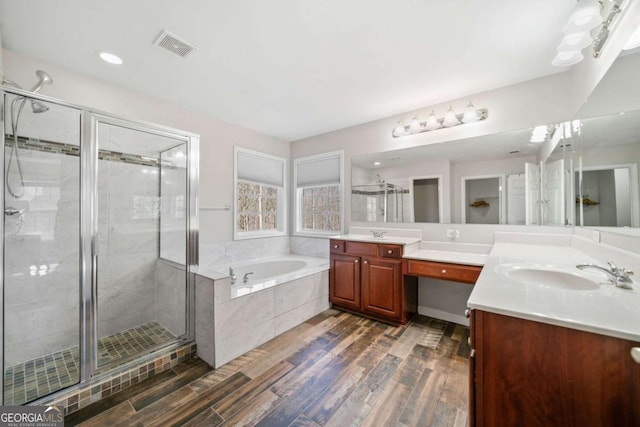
(390, 251)
(445, 271)
(361, 248)
(337, 246)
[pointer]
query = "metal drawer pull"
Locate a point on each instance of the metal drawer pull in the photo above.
(336, 246)
(357, 261)
(635, 353)
(444, 271)
(467, 313)
(389, 251)
(469, 341)
(366, 262)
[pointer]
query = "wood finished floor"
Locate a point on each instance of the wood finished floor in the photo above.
(336, 369)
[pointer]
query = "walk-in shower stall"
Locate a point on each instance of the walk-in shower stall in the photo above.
(380, 202)
(99, 236)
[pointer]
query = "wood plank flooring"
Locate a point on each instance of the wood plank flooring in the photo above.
(336, 369)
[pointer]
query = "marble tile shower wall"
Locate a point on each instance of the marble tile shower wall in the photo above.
(128, 245)
(41, 257)
(42, 253)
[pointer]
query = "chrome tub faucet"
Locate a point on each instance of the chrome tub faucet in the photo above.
(245, 279)
(618, 276)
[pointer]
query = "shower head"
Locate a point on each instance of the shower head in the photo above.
(45, 79)
(38, 107)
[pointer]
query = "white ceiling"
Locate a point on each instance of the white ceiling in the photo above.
(296, 68)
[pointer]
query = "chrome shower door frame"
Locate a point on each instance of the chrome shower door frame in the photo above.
(90, 118)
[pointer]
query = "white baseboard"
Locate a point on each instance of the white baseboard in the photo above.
(443, 315)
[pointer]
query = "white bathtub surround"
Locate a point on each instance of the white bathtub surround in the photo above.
(212, 254)
(245, 316)
(310, 246)
(606, 310)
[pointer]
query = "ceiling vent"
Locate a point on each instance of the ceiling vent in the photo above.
(174, 44)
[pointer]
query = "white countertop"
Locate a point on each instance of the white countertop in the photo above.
(392, 240)
(457, 253)
(607, 310)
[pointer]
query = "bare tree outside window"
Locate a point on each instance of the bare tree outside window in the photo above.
(257, 207)
(321, 208)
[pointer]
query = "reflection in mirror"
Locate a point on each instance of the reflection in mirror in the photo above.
(607, 184)
(426, 200)
(483, 200)
(505, 178)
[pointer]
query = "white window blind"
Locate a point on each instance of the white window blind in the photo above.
(260, 169)
(320, 171)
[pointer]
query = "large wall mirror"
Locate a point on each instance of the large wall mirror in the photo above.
(508, 178)
(607, 182)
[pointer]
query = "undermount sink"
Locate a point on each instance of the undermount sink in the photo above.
(564, 278)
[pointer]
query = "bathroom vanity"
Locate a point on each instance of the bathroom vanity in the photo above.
(366, 278)
(551, 344)
(377, 277)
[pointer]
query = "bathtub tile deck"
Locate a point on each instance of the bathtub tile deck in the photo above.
(335, 369)
(39, 377)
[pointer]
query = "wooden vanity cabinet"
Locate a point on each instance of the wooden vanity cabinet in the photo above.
(366, 278)
(528, 373)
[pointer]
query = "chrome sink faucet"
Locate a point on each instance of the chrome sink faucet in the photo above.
(617, 276)
(378, 234)
(233, 276)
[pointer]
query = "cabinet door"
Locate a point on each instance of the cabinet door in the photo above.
(531, 374)
(344, 281)
(382, 286)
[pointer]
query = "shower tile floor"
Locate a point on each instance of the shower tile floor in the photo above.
(38, 377)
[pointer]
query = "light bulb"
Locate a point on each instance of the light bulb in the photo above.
(414, 125)
(450, 119)
(575, 41)
(584, 17)
(564, 59)
(110, 58)
(470, 114)
(399, 130)
(432, 122)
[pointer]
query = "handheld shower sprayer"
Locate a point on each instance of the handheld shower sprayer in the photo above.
(17, 104)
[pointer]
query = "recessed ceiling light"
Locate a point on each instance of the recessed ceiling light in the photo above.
(110, 58)
(376, 163)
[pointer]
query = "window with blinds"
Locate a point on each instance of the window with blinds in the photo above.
(260, 181)
(318, 183)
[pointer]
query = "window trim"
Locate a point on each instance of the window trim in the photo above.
(297, 199)
(283, 203)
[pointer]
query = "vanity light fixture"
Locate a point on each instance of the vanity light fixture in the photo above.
(584, 17)
(451, 119)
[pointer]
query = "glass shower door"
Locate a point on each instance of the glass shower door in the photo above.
(141, 237)
(41, 277)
